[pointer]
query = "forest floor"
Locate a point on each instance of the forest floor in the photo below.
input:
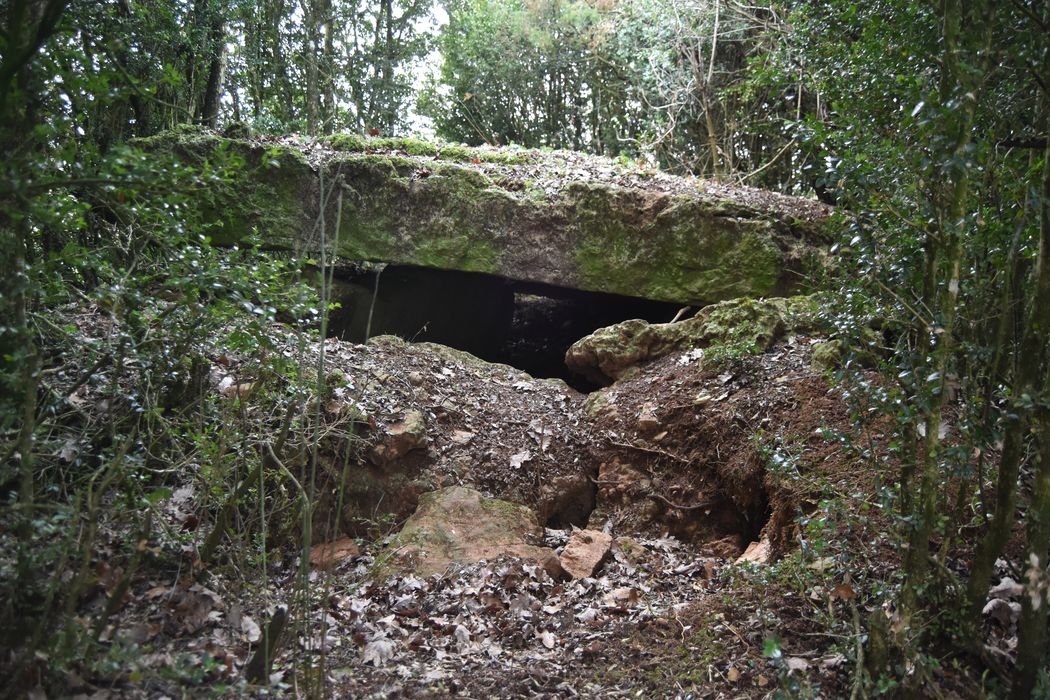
(748, 539)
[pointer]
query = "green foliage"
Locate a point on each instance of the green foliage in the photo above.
(650, 80)
(537, 98)
(921, 103)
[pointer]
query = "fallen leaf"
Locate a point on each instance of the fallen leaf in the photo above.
(843, 591)
(143, 632)
(732, 675)
(547, 638)
(378, 652)
(69, 451)
(516, 460)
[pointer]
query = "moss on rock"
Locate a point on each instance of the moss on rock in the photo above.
(244, 188)
(750, 324)
(355, 143)
(411, 202)
(672, 249)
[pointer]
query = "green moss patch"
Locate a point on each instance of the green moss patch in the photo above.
(688, 250)
(356, 143)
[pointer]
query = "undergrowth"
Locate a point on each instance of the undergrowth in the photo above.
(172, 414)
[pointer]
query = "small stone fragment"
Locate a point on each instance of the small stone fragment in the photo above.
(756, 552)
(462, 437)
(400, 438)
(331, 554)
(648, 423)
(584, 552)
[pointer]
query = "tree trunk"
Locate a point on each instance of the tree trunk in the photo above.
(328, 111)
(311, 42)
(1031, 646)
(209, 113)
(950, 229)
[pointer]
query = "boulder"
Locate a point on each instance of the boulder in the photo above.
(752, 324)
(556, 218)
(458, 525)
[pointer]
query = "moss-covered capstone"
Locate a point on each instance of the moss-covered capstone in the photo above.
(558, 218)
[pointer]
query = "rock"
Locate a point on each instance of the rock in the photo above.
(728, 547)
(331, 554)
(458, 525)
(566, 500)
(648, 423)
(1007, 588)
(599, 405)
(756, 553)
(584, 552)
(399, 439)
(1004, 612)
(511, 213)
(620, 484)
(462, 437)
(827, 356)
(754, 324)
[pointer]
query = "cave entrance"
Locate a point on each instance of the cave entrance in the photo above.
(527, 326)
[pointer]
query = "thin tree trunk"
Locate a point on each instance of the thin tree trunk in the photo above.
(280, 62)
(951, 222)
(311, 29)
(1031, 646)
(328, 70)
(209, 113)
(1028, 375)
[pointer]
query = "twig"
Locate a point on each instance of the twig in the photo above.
(772, 160)
(651, 450)
(695, 506)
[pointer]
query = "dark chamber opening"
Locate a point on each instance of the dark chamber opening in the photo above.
(528, 326)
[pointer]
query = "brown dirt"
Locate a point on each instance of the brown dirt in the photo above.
(725, 455)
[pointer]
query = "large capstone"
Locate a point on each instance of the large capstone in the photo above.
(556, 218)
